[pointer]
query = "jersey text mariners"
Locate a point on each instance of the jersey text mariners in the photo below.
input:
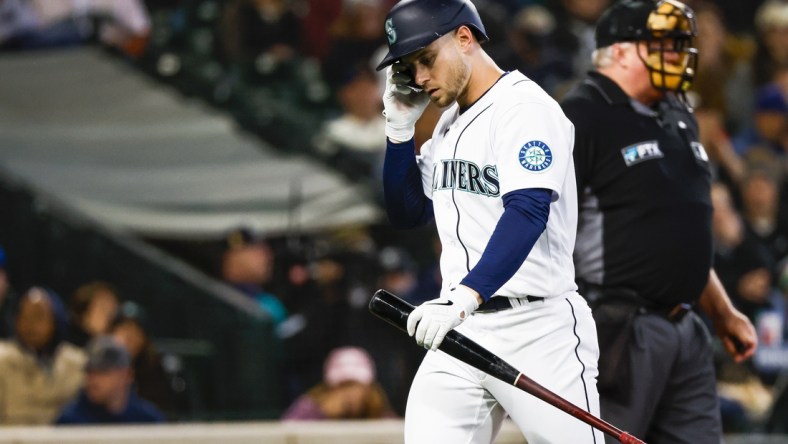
(514, 137)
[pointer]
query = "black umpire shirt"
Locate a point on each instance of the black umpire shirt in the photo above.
(643, 183)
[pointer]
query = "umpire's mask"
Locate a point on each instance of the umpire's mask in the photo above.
(666, 29)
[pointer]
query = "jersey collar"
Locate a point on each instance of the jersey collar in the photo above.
(462, 110)
(609, 89)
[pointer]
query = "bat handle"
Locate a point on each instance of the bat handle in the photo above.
(626, 438)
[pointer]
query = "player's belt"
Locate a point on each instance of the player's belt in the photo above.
(498, 303)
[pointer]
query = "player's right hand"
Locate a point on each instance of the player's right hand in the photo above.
(432, 320)
(403, 104)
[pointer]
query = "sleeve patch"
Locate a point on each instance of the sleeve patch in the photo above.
(535, 156)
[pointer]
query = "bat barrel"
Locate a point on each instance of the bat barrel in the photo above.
(529, 385)
(626, 438)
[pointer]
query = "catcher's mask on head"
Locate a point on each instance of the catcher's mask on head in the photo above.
(666, 28)
(412, 25)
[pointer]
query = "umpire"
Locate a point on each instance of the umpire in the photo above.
(643, 252)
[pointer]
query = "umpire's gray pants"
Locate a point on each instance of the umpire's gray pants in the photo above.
(674, 396)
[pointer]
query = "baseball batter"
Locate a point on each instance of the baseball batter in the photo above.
(498, 178)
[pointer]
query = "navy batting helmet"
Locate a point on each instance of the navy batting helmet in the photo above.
(412, 25)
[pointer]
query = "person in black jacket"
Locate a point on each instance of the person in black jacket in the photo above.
(643, 255)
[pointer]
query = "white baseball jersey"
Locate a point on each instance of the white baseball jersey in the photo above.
(515, 136)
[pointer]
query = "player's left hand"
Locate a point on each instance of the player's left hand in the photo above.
(402, 104)
(432, 320)
(737, 334)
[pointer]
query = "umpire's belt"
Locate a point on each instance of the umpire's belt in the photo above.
(598, 295)
(498, 303)
(674, 314)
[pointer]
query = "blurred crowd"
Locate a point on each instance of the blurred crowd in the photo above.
(317, 57)
(89, 360)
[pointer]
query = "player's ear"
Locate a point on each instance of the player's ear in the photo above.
(464, 37)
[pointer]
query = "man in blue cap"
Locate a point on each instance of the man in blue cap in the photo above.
(108, 396)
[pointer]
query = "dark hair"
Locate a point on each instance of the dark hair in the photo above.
(131, 313)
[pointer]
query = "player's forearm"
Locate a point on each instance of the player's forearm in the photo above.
(406, 204)
(523, 221)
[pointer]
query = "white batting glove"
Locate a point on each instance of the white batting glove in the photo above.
(432, 320)
(403, 104)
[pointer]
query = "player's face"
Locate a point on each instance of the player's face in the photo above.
(440, 70)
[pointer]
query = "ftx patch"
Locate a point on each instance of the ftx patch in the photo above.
(641, 151)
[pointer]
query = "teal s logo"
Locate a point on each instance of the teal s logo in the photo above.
(391, 33)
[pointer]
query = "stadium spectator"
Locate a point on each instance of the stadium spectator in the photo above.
(91, 310)
(39, 371)
(157, 377)
(352, 139)
(741, 261)
(24, 28)
(723, 84)
(266, 33)
(760, 192)
(248, 265)
(744, 399)
(6, 299)
(768, 129)
(107, 397)
(532, 49)
(355, 36)
(316, 24)
(398, 275)
(398, 272)
(771, 23)
(41, 24)
(324, 317)
(348, 390)
(579, 19)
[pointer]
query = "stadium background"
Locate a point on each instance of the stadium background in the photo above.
(132, 147)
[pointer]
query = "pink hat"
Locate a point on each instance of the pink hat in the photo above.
(348, 364)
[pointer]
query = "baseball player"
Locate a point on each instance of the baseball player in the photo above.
(644, 244)
(498, 178)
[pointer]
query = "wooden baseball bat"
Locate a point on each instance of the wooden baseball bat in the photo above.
(395, 311)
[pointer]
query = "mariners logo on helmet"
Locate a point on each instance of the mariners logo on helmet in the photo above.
(421, 22)
(535, 156)
(391, 33)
